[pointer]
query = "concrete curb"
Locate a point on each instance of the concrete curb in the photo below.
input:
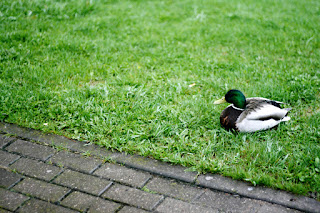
(215, 182)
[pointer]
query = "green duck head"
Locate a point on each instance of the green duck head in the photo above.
(234, 97)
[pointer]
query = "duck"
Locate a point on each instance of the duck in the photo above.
(251, 114)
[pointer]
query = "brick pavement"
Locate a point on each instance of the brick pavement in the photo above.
(50, 173)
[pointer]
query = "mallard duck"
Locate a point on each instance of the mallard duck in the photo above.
(250, 114)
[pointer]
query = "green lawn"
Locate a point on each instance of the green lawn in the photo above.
(117, 73)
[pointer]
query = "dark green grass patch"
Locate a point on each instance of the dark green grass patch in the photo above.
(142, 76)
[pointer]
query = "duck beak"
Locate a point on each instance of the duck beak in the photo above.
(220, 101)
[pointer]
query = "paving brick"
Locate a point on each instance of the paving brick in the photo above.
(221, 183)
(93, 149)
(227, 202)
(4, 140)
(55, 140)
(177, 206)
(36, 135)
(83, 182)
(36, 168)
(6, 158)
(230, 203)
(11, 200)
(130, 209)
(39, 206)
(31, 149)
(8, 178)
(40, 189)
(123, 174)
(133, 196)
(273, 208)
(173, 188)
(156, 167)
(76, 161)
(80, 201)
(262, 193)
(283, 198)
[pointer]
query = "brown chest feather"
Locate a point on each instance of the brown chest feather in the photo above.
(229, 117)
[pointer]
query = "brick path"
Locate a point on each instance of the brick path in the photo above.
(50, 173)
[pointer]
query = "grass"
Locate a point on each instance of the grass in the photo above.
(120, 74)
